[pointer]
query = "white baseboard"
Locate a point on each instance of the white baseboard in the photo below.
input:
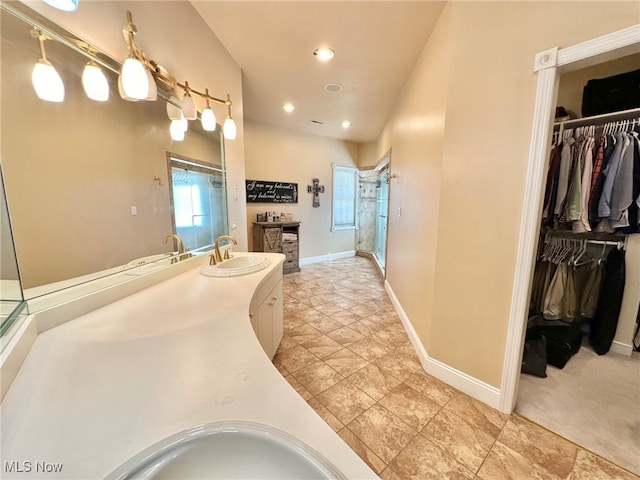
(621, 348)
(327, 258)
(465, 383)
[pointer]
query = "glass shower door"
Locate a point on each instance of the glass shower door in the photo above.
(382, 212)
(199, 204)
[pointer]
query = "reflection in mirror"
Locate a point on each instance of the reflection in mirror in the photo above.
(11, 303)
(197, 191)
(87, 185)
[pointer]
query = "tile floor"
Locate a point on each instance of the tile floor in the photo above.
(347, 354)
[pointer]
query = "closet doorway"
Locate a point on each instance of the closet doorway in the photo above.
(541, 399)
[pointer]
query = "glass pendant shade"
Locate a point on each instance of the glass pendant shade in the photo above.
(135, 83)
(64, 5)
(121, 91)
(189, 107)
(184, 124)
(208, 119)
(47, 82)
(229, 129)
(180, 122)
(95, 83)
(153, 88)
(176, 130)
(173, 112)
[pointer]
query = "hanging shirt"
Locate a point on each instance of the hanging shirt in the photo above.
(549, 193)
(610, 172)
(575, 189)
(599, 178)
(622, 192)
(563, 178)
(597, 164)
(582, 225)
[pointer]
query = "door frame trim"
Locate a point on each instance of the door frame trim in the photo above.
(547, 64)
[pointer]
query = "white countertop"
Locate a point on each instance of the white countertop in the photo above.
(96, 390)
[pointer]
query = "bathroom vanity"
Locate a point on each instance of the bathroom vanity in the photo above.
(97, 389)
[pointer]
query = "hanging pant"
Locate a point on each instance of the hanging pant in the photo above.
(605, 320)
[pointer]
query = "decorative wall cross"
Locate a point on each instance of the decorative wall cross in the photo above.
(316, 190)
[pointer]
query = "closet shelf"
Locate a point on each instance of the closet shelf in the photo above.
(605, 117)
(612, 237)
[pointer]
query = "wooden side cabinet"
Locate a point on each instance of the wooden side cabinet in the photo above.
(279, 237)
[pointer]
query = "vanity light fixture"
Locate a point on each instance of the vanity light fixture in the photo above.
(134, 80)
(177, 130)
(64, 5)
(133, 76)
(188, 105)
(184, 125)
(94, 82)
(46, 80)
(324, 53)
(156, 74)
(174, 112)
(287, 107)
(346, 124)
(229, 129)
(152, 96)
(207, 117)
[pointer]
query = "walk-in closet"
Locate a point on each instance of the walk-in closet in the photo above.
(581, 362)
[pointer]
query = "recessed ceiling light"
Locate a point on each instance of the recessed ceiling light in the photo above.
(333, 87)
(287, 107)
(346, 124)
(324, 53)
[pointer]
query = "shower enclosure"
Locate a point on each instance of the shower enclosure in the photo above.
(373, 206)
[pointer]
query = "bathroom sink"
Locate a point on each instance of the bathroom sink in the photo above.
(228, 450)
(236, 266)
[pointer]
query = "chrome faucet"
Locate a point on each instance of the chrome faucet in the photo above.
(181, 252)
(217, 256)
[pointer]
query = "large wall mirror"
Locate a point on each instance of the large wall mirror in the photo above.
(88, 184)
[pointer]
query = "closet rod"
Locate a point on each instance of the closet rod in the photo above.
(620, 245)
(621, 115)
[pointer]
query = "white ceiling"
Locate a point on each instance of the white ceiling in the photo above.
(377, 44)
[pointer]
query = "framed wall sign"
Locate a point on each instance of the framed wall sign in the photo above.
(260, 191)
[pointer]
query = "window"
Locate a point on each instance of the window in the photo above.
(343, 211)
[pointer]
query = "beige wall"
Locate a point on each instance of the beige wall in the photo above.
(415, 134)
(460, 138)
(171, 33)
(275, 154)
(368, 155)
